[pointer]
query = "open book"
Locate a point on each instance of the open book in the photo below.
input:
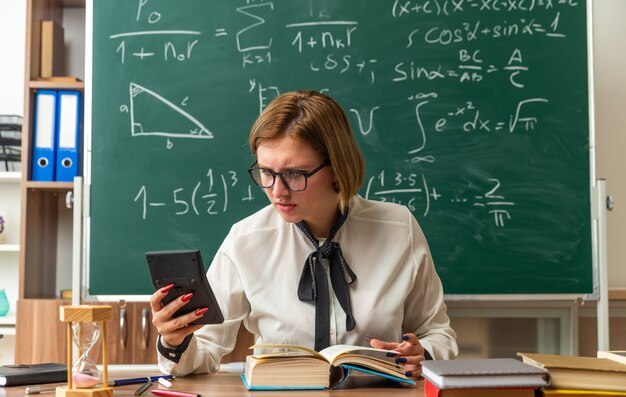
(298, 367)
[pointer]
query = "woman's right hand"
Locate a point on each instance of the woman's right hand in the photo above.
(173, 330)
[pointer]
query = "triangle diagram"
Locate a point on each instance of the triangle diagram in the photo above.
(152, 114)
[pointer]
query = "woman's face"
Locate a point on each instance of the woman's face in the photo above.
(317, 204)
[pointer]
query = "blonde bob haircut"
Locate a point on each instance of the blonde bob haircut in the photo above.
(318, 120)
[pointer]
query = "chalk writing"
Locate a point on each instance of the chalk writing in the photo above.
(471, 113)
(205, 197)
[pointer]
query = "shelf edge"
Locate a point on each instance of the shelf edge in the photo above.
(10, 176)
(9, 248)
(58, 85)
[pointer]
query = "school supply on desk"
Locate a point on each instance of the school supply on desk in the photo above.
(615, 355)
(584, 373)
(172, 393)
(431, 390)
(142, 389)
(44, 136)
(116, 382)
(68, 135)
(483, 373)
(298, 367)
(15, 375)
(142, 379)
(185, 270)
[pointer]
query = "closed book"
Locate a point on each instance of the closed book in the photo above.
(483, 373)
(15, 375)
(576, 372)
(52, 46)
(581, 393)
(431, 390)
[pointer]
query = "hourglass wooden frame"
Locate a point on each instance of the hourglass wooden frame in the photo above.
(86, 314)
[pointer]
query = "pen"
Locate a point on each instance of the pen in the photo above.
(117, 382)
(172, 393)
(131, 381)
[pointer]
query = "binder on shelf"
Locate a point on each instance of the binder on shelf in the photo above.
(68, 135)
(44, 136)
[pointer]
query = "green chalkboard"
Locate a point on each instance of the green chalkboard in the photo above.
(474, 114)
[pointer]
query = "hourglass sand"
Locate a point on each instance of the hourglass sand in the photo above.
(84, 325)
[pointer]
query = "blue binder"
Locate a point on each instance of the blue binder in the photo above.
(68, 135)
(44, 136)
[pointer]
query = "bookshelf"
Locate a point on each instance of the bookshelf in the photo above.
(46, 238)
(46, 223)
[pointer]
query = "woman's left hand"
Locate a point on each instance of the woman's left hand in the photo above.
(411, 353)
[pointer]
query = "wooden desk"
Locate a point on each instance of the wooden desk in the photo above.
(230, 385)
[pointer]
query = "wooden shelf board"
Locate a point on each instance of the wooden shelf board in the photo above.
(9, 319)
(57, 85)
(60, 186)
(617, 295)
(7, 330)
(10, 176)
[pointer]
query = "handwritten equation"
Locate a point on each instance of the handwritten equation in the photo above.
(414, 191)
(435, 64)
(211, 194)
(207, 196)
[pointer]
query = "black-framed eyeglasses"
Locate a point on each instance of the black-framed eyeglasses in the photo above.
(294, 180)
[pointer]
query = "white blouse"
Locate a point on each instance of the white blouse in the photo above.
(255, 275)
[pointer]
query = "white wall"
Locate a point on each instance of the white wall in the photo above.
(12, 50)
(74, 33)
(12, 45)
(609, 22)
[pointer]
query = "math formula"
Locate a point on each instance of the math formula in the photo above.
(474, 114)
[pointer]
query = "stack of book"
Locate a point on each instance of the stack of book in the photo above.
(492, 377)
(578, 376)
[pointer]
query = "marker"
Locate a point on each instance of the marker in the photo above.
(143, 388)
(117, 382)
(172, 393)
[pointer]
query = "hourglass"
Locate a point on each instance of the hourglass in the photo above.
(84, 325)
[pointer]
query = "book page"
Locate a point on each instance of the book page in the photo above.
(615, 355)
(332, 352)
(288, 351)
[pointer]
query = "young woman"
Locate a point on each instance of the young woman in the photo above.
(318, 266)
